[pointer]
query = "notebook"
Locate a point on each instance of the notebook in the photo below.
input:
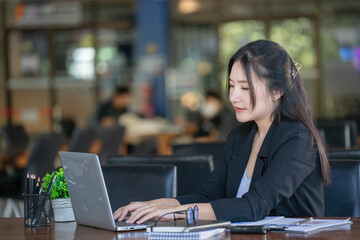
(88, 194)
(182, 226)
(186, 235)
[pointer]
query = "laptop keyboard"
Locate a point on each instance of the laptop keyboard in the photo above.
(123, 223)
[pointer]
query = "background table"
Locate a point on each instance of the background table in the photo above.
(13, 228)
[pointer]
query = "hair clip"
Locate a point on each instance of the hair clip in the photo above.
(298, 66)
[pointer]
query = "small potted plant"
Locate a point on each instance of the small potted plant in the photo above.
(59, 195)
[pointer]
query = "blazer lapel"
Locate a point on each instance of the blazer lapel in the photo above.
(264, 153)
(239, 161)
(257, 170)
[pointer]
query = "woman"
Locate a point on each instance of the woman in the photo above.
(274, 163)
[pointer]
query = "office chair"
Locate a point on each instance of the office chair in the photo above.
(192, 171)
(16, 139)
(43, 153)
(216, 149)
(342, 196)
(128, 183)
(344, 154)
(40, 162)
(228, 123)
(82, 139)
(67, 128)
(113, 137)
(338, 134)
(147, 146)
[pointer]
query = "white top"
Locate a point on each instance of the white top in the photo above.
(244, 185)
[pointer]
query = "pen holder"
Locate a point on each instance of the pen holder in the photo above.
(37, 209)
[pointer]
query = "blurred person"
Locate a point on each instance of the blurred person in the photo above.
(109, 112)
(212, 122)
(210, 118)
(274, 163)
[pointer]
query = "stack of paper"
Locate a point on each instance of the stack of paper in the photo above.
(290, 224)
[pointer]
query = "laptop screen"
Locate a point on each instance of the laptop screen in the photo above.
(87, 189)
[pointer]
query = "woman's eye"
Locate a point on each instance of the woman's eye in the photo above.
(231, 86)
(245, 88)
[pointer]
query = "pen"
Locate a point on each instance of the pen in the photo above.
(31, 182)
(40, 209)
(34, 184)
(27, 183)
(249, 229)
(37, 185)
(304, 221)
(41, 187)
(28, 198)
(31, 200)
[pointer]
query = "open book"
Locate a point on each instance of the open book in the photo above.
(290, 224)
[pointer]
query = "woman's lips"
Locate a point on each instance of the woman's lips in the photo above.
(237, 109)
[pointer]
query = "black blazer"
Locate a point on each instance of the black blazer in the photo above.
(286, 180)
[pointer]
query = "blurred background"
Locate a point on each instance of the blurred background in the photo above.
(61, 59)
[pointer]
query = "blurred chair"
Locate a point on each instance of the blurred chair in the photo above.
(16, 139)
(228, 123)
(128, 183)
(192, 171)
(113, 137)
(344, 154)
(82, 139)
(356, 118)
(43, 153)
(67, 126)
(40, 162)
(216, 149)
(342, 196)
(146, 146)
(338, 133)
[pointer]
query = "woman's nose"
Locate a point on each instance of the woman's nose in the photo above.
(234, 95)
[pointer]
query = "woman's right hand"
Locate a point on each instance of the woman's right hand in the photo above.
(121, 213)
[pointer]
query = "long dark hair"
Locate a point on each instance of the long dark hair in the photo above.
(273, 65)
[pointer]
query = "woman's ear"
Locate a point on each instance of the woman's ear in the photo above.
(277, 94)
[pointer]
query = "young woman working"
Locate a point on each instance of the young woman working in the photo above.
(274, 163)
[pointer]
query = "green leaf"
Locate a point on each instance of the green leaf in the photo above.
(59, 188)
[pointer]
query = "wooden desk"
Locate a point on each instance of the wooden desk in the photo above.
(13, 228)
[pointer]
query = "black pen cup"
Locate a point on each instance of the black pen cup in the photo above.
(37, 209)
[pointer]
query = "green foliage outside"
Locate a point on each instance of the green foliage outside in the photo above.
(59, 188)
(233, 35)
(296, 36)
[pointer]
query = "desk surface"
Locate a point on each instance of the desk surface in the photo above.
(13, 228)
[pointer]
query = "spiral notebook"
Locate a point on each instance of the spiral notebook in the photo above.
(181, 226)
(186, 235)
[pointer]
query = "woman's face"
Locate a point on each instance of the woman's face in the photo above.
(239, 95)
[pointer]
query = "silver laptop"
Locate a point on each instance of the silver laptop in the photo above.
(88, 194)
